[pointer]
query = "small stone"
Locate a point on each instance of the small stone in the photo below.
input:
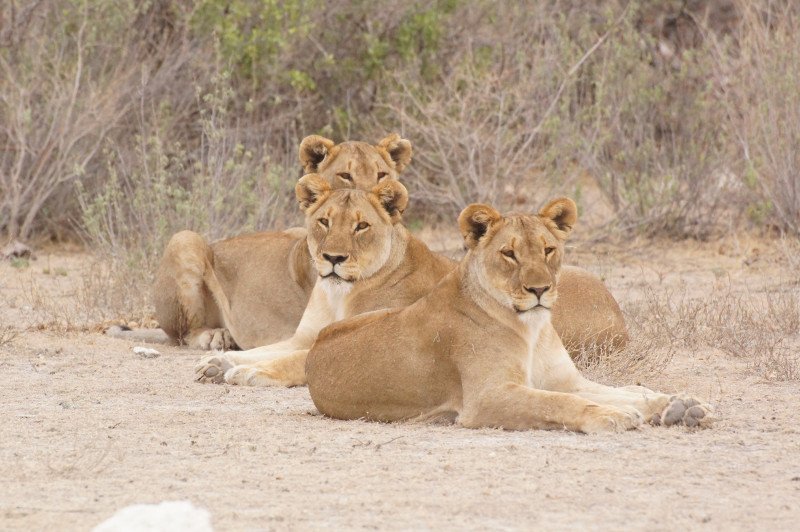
(16, 249)
(146, 352)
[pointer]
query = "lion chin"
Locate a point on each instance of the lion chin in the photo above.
(333, 285)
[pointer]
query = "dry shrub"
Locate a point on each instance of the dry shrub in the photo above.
(492, 126)
(652, 134)
(57, 104)
(655, 331)
(219, 187)
(51, 311)
(760, 93)
(762, 328)
(7, 336)
(70, 74)
(100, 292)
(498, 98)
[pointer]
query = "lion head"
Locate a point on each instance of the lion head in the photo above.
(355, 164)
(349, 231)
(516, 258)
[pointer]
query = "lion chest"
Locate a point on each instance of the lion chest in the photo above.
(533, 358)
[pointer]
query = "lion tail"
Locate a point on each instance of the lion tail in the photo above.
(150, 336)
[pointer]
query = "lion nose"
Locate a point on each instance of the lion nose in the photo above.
(335, 259)
(538, 290)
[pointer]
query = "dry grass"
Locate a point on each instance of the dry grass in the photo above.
(7, 336)
(761, 328)
(99, 295)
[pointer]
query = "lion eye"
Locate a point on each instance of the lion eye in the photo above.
(548, 251)
(509, 253)
(361, 226)
(323, 222)
(381, 175)
(346, 176)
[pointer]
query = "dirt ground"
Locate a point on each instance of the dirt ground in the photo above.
(91, 427)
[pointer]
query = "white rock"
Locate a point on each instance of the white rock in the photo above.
(168, 516)
(146, 352)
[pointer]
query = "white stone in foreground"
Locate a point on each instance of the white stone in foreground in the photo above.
(169, 516)
(146, 352)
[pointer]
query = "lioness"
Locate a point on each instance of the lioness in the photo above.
(479, 348)
(266, 277)
(367, 260)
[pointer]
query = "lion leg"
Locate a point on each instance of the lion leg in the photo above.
(518, 407)
(286, 371)
(212, 367)
(185, 309)
(317, 315)
(657, 408)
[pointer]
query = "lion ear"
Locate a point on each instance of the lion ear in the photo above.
(475, 221)
(563, 213)
(313, 150)
(399, 150)
(311, 190)
(393, 197)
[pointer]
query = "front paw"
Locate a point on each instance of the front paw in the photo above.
(212, 369)
(603, 418)
(240, 375)
(686, 411)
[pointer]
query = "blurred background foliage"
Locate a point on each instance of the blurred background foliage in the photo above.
(125, 121)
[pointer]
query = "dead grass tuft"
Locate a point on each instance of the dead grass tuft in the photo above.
(762, 328)
(105, 294)
(7, 336)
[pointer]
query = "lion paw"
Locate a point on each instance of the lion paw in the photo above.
(212, 369)
(239, 375)
(683, 411)
(602, 418)
(212, 340)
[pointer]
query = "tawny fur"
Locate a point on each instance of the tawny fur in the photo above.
(408, 271)
(267, 278)
(479, 348)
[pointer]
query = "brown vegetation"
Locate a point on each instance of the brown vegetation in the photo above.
(682, 115)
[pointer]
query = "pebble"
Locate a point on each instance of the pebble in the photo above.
(146, 352)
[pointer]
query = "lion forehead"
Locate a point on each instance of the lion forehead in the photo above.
(353, 205)
(526, 232)
(356, 156)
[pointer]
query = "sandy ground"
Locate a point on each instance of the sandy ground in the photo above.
(90, 427)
